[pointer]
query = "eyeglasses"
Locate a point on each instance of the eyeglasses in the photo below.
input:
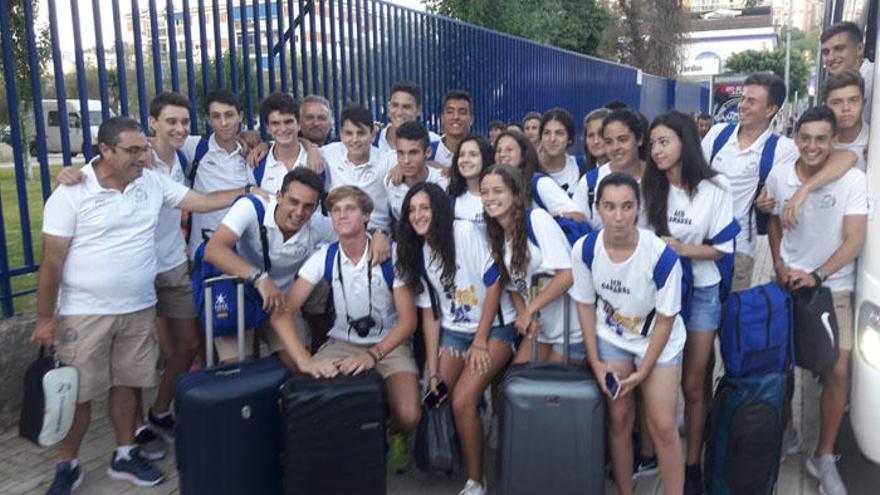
(134, 150)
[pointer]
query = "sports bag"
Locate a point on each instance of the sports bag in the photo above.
(756, 331)
(816, 340)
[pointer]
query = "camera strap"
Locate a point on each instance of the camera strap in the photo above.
(348, 317)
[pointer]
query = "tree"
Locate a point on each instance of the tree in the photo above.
(754, 61)
(647, 34)
(575, 25)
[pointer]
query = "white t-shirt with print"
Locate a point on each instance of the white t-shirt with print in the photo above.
(859, 147)
(692, 221)
(461, 305)
(819, 233)
(443, 155)
(568, 177)
(469, 207)
(357, 296)
(170, 244)
(742, 169)
(111, 262)
(273, 174)
(625, 293)
(552, 253)
(397, 193)
(556, 201)
(369, 176)
(286, 256)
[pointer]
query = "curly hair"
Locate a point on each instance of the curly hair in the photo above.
(530, 165)
(439, 238)
(457, 182)
(519, 259)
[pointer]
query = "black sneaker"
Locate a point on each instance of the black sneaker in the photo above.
(164, 426)
(150, 444)
(67, 479)
(644, 466)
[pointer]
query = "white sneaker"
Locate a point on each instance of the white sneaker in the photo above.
(825, 470)
(473, 488)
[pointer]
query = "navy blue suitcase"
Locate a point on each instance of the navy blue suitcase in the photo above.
(228, 433)
(334, 435)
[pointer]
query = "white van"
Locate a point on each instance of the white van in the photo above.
(52, 121)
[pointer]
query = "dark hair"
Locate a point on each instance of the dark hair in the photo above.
(409, 88)
(278, 102)
(819, 113)
(439, 238)
(306, 177)
(615, 105)
(847, 27)
(167, 99)
(357, 115)
(531, 116)
(530, 166)
(596, 114)
(413, 131)
(457, 94)
(774, 85)
(704, 116)
(497, 124)
(694, 169)
(618, 179)
(562, 116)
(635, 122)
(844, 78)
(457, 183)
(110, 129)
(222, 96)
(519, 257)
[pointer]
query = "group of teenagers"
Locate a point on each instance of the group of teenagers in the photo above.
(459, 236)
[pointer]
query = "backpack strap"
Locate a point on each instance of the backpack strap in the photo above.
(529, 230)
(664, 267)
(728, 233)
(332, 251)
(489, 278)
(535, 196)
(181, 158)
(721, 139)
(388, 273)
(433, 145)
(588, 252)
(260, 170)
(201, 151)
(432, 293)
(592, 181)
(767, 155)
(452, 200)
(264, 236)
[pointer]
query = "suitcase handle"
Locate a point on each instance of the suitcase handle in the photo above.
(209, 317)
(566, 319)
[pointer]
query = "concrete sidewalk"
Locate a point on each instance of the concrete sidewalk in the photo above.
(28, 469)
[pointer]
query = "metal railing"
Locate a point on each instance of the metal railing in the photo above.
(346, 50)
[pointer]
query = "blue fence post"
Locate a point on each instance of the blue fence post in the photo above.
(270, 55)
(156, 47)
(102, 66)
(246, 62)
(304, 68)
(171, 19)
(325, 69)
(258, 51)
(313, 42)
(333, 58)
(190, 72)
(291, 35)
(282, 62)
(219, 65)
(39, 123)
(120, 60)
(203, 44)
(139, 62)
(233, 56)
(82, 85)
(60, 93)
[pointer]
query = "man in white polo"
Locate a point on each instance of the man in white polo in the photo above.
(413, 151)
(405, 105)
(293, 233)
(278, 112)
(99, 255)
(821, 250)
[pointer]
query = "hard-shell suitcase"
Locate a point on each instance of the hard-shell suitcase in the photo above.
(334, 435)
(228, 433)
(552, 429)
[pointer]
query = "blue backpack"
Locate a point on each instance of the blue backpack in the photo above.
(756, 331)
(572, 229)
(744, 437)
(333, 249)
(661, 272)
(766, 165)
(224, 311)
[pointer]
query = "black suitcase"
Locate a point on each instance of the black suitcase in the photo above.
(552, 429)
(334, 435)
(228, 433)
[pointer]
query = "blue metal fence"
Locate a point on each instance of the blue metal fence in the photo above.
(346, 50)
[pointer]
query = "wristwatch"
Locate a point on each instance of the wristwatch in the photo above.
(820, 274)
(247, 188)
(254, 275)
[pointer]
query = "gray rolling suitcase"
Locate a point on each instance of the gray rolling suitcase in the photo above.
(552, 428)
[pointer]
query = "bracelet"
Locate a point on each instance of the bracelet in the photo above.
(817, 278)
(373, 355)
(479, 347)
(247, 188)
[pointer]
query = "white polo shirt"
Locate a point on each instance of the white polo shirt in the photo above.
(469, 207)
(397, 193)
(111, 262)
(286, 256)
(355, 300)
(625, 293)
(859, 146)
(170, 245)
(581, 199)
(443, 155)
(820, 231)
(742, 167)
(218, 170)
(384, 147)
(568, 177)
(693, 221)
(552, 253)
(273, 174)
(555, 199)
(369, 176)
(461, 305)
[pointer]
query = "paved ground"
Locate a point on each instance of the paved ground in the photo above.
(26, 469)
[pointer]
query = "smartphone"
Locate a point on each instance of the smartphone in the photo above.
(612, 385)
(431, 400)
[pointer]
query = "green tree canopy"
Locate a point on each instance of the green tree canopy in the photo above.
(754, 61)
(575, 25)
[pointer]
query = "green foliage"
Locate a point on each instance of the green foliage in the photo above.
(754, 61)
(575, 25)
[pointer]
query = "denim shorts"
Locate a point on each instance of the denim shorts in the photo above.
(576, 351)
(460, 342)
(705, 309)
(610, 352)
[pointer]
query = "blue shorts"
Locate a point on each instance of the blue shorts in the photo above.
(460, 342)
(610, 352)
(705, 309)
(577, 351)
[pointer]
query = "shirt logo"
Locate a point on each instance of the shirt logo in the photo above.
(139, 195)
(680, 218)
(615, 286)
(828, 201)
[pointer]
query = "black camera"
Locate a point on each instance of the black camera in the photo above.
(362, 325)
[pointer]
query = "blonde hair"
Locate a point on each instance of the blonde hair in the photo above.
(362, 199)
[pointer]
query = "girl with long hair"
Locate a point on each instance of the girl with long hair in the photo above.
(690, 206)
(468, 339)
(473, 155)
